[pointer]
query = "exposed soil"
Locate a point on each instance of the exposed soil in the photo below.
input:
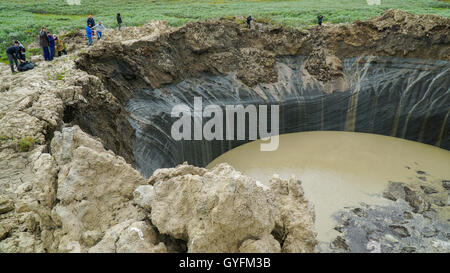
(218, 47)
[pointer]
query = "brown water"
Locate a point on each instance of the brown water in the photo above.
(339, 169)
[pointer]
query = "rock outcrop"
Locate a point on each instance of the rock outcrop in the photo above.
(33, 105)
(129, 236)
(94, 189)
(221, 210)
(68, 198)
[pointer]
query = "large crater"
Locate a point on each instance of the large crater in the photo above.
(379, 76)
(405, 98)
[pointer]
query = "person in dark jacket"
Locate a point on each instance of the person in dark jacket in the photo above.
(43, 42)
(51, 46)
(319, 19)
(249, 20)
(119, 20)
(21, 54)
(91, 21)
(12, 54)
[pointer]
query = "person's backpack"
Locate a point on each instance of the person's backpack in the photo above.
(25, 66)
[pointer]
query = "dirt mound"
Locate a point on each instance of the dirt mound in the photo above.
(323, 65)
(394, 33)
(74, 39)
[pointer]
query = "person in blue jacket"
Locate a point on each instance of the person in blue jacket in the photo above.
(51, 45)
(89, 35)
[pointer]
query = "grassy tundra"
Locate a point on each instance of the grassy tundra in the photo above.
(22, 19)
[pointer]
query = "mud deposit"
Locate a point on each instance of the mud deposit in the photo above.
(357, 176)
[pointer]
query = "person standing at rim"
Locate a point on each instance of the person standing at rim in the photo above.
(60, 47)
(51, 46)
(12, 53)
(319, 19)
(43, 42)
(99, 28)
(89, 34)
(249, 20)
(91, 22)
(119, 20)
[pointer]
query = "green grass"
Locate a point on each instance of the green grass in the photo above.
(59, 76)
(25, 144)
(22, 19)
(5, 138)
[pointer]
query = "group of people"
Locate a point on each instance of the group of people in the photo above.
(92, 28)
(51, 45)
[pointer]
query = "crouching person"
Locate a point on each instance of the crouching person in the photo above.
(12, 54)
(60, 47)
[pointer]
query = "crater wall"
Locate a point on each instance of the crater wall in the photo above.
(324, 78)
(406, 98)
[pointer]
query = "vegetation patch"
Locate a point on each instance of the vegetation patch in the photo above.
(4, 138)
(60, 76)
(26, 144)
